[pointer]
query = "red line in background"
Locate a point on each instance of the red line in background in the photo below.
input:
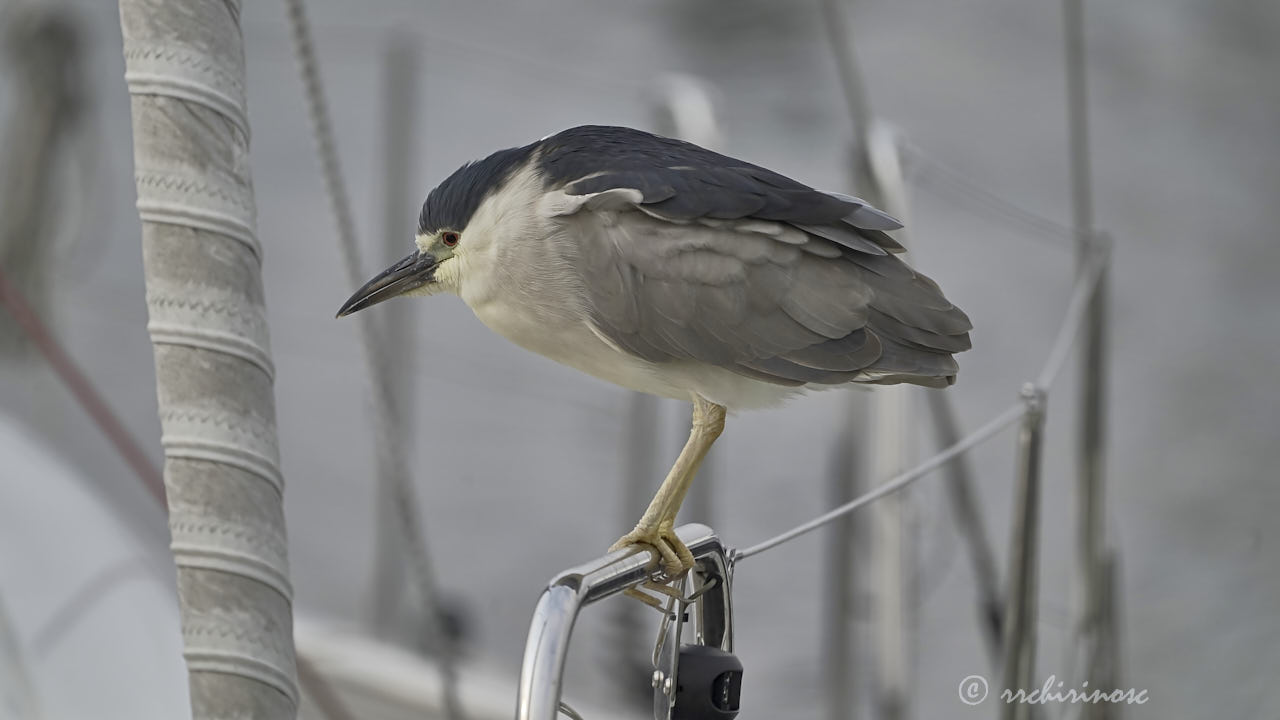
(82, 388)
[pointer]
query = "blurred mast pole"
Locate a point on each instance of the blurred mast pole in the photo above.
(842, 607)
(17, 693)
(970, 525)
(45, 49)
(399, 98)
(1090, 581)
(1021, 613)
(891, 591)
(184, 65)
(44, 56)
(892, 451)
(877, 172)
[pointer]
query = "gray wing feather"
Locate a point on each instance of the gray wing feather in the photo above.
(843, 235)
(932, 340)
(781, 367)
(766, 376)
(855, 351)
(739, 296)
(690, 183)
(821, 248)
(827, 298)
(732, 264)
(871, 218)
(866, 215)
(905, 360)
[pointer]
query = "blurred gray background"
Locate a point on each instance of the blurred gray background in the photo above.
(518, 461)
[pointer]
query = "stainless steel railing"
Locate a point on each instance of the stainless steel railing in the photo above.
(708, 596)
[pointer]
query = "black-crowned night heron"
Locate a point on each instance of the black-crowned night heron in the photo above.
(670, 269)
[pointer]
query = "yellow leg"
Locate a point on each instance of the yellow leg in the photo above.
(656, 528)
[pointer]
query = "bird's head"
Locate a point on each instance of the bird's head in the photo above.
(456, 221)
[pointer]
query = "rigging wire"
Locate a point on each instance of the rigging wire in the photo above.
(927, 171)
(110, 424)
(1063, 340)
(977, 437)
(922, 166)
(1098, 254)
(80, 386)
(396, 474)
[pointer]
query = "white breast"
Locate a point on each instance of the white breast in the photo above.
(575, 344)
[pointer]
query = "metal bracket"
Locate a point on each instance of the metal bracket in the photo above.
(547, 647)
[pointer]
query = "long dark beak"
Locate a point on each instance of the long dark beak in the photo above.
(411, 272)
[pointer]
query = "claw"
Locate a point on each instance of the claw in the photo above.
(657, 587)
(676, 558)
(645, 598)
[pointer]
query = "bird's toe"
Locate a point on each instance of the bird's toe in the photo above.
(673, 555)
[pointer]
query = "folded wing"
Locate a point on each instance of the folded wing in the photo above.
(697, 256)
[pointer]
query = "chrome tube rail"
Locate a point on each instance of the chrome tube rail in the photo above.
(547, 648)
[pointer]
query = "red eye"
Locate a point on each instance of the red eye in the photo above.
(450, 239)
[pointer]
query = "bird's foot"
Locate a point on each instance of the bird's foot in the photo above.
(660, 539)
(674, 557)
